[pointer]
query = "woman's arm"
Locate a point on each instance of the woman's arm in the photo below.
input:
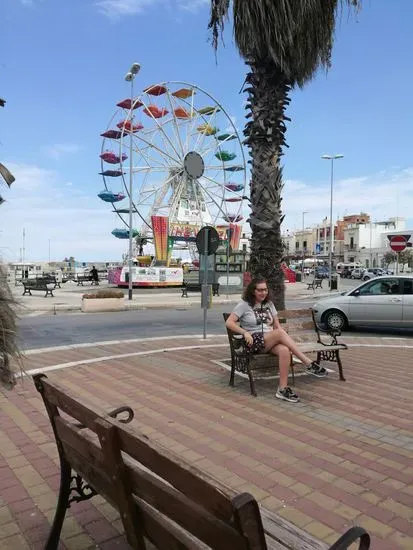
(233, 324)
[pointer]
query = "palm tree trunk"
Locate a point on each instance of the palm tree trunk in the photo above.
(9, 345)
(268, 96)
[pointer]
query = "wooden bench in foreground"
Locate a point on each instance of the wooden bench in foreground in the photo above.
(164, 502)
(302, 326)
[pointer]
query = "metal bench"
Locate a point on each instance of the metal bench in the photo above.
(315, 283)
(197, 287)
(38, 284)
(300, 324)
(80, 279)
(164, 502)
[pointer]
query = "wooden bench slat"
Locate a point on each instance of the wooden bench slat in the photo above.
(170, 502)
(187, 479)
(164, 534)
(67, 402)
(282, 535)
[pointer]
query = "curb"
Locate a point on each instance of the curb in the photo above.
(184, 304)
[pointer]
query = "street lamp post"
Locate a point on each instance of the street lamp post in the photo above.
(332, 158)
(302, 262)
(129, 77)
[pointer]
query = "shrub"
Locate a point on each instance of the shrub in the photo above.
(110, 293)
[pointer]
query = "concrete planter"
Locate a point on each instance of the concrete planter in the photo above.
(93, 305)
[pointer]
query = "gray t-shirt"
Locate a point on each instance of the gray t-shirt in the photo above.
(259, 318)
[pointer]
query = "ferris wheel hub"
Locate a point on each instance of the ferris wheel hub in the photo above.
(194, 165)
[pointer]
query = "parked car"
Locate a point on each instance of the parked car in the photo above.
(321, 272)
(372, 272)
(346, 273)
(383, 301)
(357, 273)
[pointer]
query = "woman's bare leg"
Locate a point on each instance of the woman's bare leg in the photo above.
(284, 360)
(279, 336)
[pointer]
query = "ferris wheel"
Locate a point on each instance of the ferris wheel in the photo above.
(185, 158)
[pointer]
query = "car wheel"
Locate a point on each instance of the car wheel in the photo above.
(335, 319)
(366, 278)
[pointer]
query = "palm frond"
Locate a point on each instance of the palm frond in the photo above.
(295, 35)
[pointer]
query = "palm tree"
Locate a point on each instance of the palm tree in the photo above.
(9, 346)
(284, 42)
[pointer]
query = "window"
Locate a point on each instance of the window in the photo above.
(297, 245)
(351, 242)
(305, 245)
(383, 286)
(244, 247)
(408, 287)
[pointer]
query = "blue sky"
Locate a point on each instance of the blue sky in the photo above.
(62, 67)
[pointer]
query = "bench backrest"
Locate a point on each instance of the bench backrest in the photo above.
(160, 497)
(301, 324)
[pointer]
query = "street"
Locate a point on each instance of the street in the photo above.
(77, 328)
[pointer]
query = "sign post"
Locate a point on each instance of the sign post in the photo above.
(207, 241)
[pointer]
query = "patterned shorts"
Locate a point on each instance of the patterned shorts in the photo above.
(258, 343)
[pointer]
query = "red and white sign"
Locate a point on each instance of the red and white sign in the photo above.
(398, 243)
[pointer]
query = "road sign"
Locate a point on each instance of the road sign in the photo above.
(398, 243)
(212, 243)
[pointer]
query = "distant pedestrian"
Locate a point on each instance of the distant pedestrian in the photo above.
(94, 275)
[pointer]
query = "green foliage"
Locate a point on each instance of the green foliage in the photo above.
(109, 293)
(389, 258)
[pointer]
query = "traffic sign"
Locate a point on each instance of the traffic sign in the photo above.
(398, 243)
(213, 241)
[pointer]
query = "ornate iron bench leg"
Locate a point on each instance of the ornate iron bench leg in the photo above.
(62, 505)
(334, 357)
(340, 367)
(251, 378)
(234, 358)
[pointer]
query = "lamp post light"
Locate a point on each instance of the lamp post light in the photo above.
(332, 158)
(129, 77)
(302, 262)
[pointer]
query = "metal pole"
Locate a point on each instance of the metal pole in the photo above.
(205, 285)
(331, 224)
(130, 262)
(228, 239)
(302, 261)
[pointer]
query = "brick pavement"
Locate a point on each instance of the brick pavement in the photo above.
(344, 455)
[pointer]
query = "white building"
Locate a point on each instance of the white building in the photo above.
(368, 243)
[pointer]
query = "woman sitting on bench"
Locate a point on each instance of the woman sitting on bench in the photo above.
(255, 317)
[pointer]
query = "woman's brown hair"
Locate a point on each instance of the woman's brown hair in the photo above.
(248, 294)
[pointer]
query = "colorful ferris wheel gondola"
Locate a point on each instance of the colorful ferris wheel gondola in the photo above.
(109, 196)
(111, 158)
(124, 233)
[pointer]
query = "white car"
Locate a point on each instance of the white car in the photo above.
(373, 272)
(384, 301)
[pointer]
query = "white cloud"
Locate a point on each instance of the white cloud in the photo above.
(27, 2)
(76, 221)
(115, 9)
(193, 5)
(58, 150)
(383, 195)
